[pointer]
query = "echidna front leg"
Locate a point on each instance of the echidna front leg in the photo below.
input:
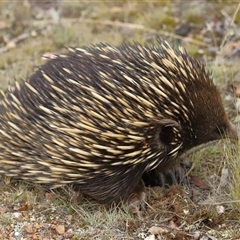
(168, 173)
(137, 200)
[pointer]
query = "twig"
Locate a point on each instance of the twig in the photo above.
(12, 43)
(127, 25)
(220, 52)
(141, 27)
(219, 203)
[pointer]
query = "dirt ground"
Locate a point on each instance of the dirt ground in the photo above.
(208, 207)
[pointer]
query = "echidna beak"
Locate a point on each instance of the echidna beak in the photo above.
(232, 132)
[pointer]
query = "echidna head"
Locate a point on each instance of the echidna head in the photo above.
(208, 118)
(190, 103)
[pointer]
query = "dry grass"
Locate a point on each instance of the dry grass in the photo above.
(209, 208)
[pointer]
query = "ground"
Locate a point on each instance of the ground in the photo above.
(208, 207)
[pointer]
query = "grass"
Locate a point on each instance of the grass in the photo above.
(191, 209)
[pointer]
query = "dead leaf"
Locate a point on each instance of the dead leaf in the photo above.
(60, 229)
(197, 181)
(24, 207)
(50, 197)
(172, 224)
(28, 228)
(157, 230)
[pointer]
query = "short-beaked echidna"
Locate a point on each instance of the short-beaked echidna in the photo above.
(101, 117)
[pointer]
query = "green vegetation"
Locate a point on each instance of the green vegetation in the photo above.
(210, 205)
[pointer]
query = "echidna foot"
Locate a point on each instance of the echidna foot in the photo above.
(137, 200)
(168, 173)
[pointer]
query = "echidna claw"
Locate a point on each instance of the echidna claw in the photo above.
(168, 173)
(161, 180)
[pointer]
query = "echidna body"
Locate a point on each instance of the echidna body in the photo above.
(101, 117)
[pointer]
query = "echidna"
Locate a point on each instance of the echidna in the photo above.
(101, 117)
